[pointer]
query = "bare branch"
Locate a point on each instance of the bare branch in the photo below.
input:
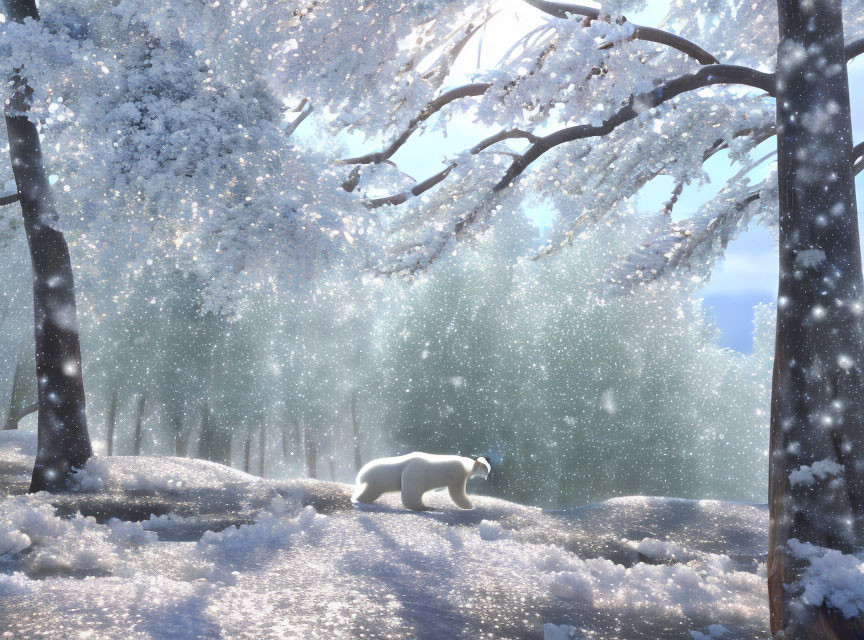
(855, 48)
(648, 34)
(468, 90)
(296, 122)
(419, 188)
(759, 135)
(506, 134)
(706, 76)
(857, 151)
(353, 179)
(8, 198)
(470, 30)
(670, 204)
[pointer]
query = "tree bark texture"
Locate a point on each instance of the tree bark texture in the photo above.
(63, 440)
(817, 404)
(139, 423)
(111, 422)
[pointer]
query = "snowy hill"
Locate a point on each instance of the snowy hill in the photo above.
(203, 551)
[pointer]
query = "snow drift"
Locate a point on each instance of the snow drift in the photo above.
(178, 549)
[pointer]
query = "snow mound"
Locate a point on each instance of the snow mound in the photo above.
(17, 443)
(832, 577)
(215, 553)
(145, 473)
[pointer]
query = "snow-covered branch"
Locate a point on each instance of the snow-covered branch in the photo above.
(637, 104)
(468, 90)
(648, 34)
(416, 190)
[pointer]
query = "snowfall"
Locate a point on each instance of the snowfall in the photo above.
(181, 549)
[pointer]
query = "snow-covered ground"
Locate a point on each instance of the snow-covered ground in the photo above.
(169, 548)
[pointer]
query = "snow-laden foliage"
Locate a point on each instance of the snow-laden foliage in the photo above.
(579, 395)
(581, 71)
(527, 358)
(168, 127)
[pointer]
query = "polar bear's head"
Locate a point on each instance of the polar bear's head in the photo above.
(481, 468)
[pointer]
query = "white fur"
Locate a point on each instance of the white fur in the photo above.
(416, 473)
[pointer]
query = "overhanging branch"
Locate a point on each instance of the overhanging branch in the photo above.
(8, 198)
(706, 76)
(648, 34)
(853, 49)
(419, 188)
(468, 90)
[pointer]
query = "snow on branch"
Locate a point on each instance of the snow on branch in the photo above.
(468, 90)
(682, 246)
(416, 190)
(648, 34)
(637, 104)
(678, 246)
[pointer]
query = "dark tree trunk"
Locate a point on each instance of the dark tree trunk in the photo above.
(214, 441)
(174, 414)
(181, 442)
(247, 449)
(139, 423)
(262, 450)
(355, 431)
(21, 400)
(63, 441)
(111, 422)
(311, 453)
(817, 404)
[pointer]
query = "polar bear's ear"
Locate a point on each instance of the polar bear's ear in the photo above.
(482, 467)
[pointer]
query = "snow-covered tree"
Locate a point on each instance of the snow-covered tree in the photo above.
(169, 130)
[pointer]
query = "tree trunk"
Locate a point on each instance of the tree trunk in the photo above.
(262, 450)
(63, 440)
(355, 430)
(817, 404)
(173, 413)
(21, 402)
(247, 448)
(111, 422)
(311, 453)
(139, 423)
(214, 441)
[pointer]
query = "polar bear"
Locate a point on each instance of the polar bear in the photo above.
(416, 473)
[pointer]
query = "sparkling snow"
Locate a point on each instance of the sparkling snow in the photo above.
(171, 548)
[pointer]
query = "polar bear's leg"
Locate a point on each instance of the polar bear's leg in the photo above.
(366, 494)
(412, 489)
(458, 495)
